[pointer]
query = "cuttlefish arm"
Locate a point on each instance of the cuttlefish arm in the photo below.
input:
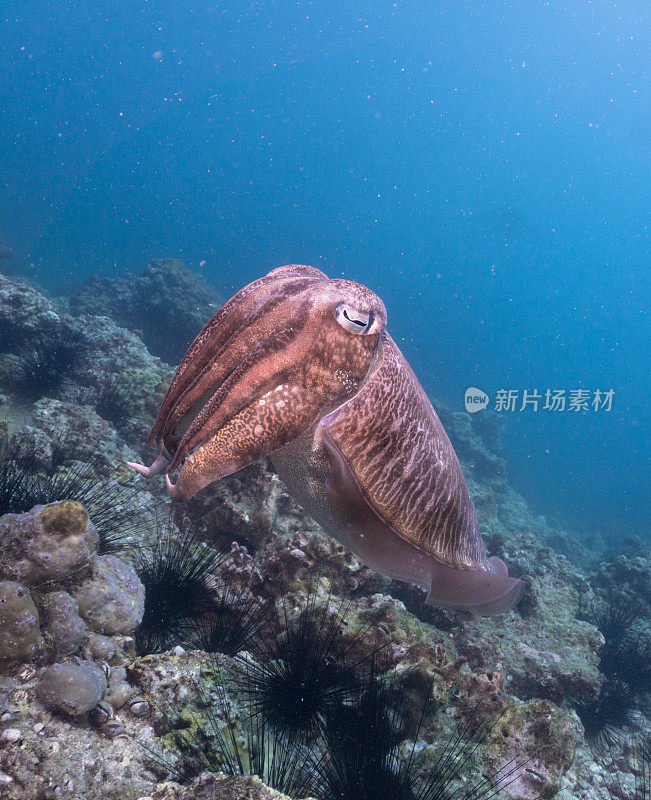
(251, 322)
(244, 323)
(280, 415)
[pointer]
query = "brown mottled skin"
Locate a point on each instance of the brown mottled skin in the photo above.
(404, 462)
(279, 371)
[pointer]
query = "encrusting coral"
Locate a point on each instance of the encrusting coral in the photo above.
(69, 600)
(112, 600)
(49, 543)
(20, 635)
(72, 689)
(63, 629)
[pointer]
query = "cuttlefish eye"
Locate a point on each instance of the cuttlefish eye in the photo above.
(353, 319)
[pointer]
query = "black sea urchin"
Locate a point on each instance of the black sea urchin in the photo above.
(615, 616)
(214, 739)
(363, 757)
(237, 621)
(175, 569)
(625, 660)
(299, 675)
(361, 753)
(626, 654)
(630, 662)
(43, 369)
(603, 717)
(112, 400)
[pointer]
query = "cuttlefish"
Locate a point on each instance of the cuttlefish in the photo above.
(300, 367)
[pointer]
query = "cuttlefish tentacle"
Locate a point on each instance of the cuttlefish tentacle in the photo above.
(240, 312)
(300, 367)
(154, 469)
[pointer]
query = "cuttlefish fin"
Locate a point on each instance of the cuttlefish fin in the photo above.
(379, 545)
(483, 593)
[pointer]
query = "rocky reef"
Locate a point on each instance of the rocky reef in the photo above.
(45, 353)
(166, 297)
(87, 711)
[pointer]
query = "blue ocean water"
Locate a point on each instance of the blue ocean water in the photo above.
(482, 166)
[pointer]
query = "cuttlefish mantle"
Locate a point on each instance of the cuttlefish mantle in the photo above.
(301, 367)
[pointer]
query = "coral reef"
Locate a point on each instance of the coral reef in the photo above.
(108, 356)
(166, 303)
(89, 709)
(544, 739)
(55, 545)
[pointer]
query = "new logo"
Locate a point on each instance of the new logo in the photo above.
(475, 399)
